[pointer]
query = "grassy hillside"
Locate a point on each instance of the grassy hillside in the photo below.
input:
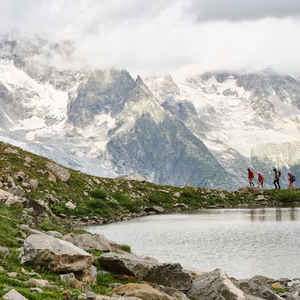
(104, 198)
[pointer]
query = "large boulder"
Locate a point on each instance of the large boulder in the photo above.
(89, 242)
(62, 173)
(170, 275)
(55, 254)
(259, 286)
(142, 291)
(216, 285)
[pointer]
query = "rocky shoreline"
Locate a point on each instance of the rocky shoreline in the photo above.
(80, 272)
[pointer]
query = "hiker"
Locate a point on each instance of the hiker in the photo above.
(276, 180)
(250, 177)
(260, 180)
(292, 178)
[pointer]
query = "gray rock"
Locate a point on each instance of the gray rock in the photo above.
(13, 151)
(38, 282)
(90, 295)
(34, 183)
(66, 277)
(216, 285)
(89, 242)
(177, 194)
(156, 209)
(28, 159)
(62, 173)
(57, 255)
(4, 252)
(258, 286)
(55, 233)
(70, 205)
(17, 191)
(36, 290)
(169, 275)
(14, 295)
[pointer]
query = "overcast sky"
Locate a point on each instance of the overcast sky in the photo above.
(167, 36)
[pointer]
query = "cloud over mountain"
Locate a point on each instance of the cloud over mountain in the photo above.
(166, 36)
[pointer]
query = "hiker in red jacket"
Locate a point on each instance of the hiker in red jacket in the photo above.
(260, 180)
(291, 180)
(250, 177)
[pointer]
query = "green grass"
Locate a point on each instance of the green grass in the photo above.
(286, 196)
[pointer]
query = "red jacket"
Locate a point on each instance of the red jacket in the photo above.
(291, 177)
(250, 174)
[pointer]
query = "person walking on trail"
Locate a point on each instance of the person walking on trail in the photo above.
(260, 180)
(276, 179)
(292, 178)
(250, 177)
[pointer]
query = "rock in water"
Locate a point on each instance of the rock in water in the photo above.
(170, 275)
(56, 254)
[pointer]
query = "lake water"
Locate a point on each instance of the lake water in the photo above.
(242, 242)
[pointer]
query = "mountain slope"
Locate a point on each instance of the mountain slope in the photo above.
(206, 130)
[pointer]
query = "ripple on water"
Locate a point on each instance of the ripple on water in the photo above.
(243, 242)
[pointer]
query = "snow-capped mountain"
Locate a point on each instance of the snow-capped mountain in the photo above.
(205, 131)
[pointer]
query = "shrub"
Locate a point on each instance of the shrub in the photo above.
(131, 205)
(96, 203)
(125, 248)
(187, 193)
(287, 196)
(98, 194)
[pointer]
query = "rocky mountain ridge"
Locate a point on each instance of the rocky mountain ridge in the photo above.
(205, 131)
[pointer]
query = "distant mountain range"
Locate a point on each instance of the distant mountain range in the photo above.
(205, 131)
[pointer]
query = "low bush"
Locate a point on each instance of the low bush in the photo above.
(98, 194)
(130, 204)
(187, 193)
(125, 248)
(287, 196)
(96, 203)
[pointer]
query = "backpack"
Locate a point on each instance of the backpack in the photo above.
(294, 178)
(279, 173)
(252, 173)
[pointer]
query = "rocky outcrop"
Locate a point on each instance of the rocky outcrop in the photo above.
(89, 242)
(246, 190)
(55, 254)
(170, 275)
(62, 173)
(216, 285)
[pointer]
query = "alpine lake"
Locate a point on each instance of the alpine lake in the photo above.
(242, 241)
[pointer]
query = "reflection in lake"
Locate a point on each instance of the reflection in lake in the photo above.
(243, 242)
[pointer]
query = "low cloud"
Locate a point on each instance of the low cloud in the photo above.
(163, 36)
